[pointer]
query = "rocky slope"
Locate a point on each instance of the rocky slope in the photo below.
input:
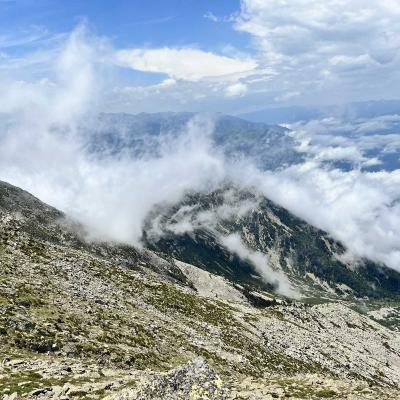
(92, 320)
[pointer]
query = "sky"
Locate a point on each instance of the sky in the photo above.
(229, 55)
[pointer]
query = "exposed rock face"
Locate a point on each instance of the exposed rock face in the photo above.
(195, 381)
(81, 320)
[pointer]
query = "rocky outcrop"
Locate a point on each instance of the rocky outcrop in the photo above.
(193, 381)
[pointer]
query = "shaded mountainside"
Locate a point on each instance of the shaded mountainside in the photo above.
(94, 320)
(313, 261)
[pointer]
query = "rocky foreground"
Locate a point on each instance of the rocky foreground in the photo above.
(94, 321)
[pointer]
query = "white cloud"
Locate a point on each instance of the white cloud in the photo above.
(347, 63)
(326, 46)
(236, 90)
(33, 34)
(183, 63)
(61, 94)
(287, 96)
(212, 17)
(358, 208)
(338, 140)
(286, 29)
(234, 243)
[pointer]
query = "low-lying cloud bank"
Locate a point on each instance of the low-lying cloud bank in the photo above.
(43, 151)
(361, 209)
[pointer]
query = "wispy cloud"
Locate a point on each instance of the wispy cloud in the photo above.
(234, 243)
(236, 90)
(33, 35)
(154, 21)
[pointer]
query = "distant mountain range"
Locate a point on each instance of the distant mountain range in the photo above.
(267, 146)
(291, 114)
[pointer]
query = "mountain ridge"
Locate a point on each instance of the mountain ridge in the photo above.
(305, 252)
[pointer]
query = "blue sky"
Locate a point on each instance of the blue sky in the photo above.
(128, 23)
(229, 55)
